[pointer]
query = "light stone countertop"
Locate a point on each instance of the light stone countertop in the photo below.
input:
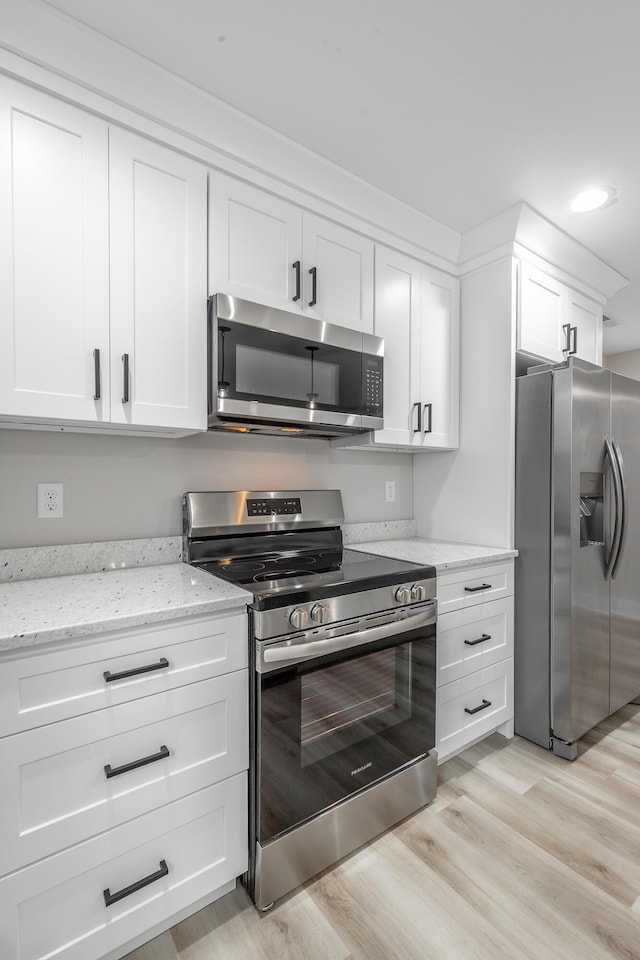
(34, 612)
(444, 555)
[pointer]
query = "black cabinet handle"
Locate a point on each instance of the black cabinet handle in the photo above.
(483, 706)
(160, 665)
(482, 639)
(110, 771)
(574, 331)
(418, 429)
(314, 287)
(125, 378)
(429, 407)
(483, 586)
(110, 898)
(296, 267)
(96, 374)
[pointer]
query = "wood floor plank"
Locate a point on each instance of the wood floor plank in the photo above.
(599, 923)
(387, 904)
(231, 927)
(571, 839)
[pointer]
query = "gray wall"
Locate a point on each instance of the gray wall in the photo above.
(118, 488)
(628, 364)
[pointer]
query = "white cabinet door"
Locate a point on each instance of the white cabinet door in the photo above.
(337, 274)
(439, 360)
(541, 314)
(585, 315)
(54, 250)
(159, 864)
(397, 320)
(255, 241)
(158, 285)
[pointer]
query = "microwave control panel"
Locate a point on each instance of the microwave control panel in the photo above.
(372, 376)
(273, 507)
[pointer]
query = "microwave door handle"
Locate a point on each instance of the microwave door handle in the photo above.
(623, 509)
(281, 653)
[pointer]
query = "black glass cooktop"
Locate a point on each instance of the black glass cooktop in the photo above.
(306, 576)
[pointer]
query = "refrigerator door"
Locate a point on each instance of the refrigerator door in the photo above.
(625, 582)
(580, 590)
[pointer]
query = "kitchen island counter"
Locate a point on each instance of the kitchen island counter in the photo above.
(444, 555)
(34, 612)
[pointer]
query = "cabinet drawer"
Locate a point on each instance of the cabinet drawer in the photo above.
(48, 686)
(490, 689)
(472, 638)
(61, 783)
(472, 585)
(57, 907)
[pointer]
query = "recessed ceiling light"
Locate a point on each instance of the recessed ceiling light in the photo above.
(592, 199)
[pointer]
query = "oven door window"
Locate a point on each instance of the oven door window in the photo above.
(329, 727)
(260, 365)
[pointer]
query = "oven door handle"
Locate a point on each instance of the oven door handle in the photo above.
(279, 653)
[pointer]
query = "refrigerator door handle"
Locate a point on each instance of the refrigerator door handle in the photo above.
(623, 508)
(615, 539)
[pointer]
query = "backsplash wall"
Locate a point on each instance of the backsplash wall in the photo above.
(128, 487)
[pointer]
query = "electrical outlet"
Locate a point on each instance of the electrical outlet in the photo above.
(50, 501)
(390, 491)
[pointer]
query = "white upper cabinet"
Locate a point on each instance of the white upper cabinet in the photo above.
(554, 321)
(254, 241)
(584, 320)
(158, 208)
(439, 359)
(397, 321)
(54, 251)
(103, 248)
(338, 274)
(268, 250)
(417, 314)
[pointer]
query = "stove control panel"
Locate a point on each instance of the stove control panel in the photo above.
(274, 507)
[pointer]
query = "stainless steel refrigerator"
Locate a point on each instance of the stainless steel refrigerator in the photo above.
(577, 518)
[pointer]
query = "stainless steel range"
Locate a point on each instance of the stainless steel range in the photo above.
(342, 678)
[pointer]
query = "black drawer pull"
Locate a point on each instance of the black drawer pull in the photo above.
(110, 898)
(110, 771)
(296, 267)
(110, 677)
(472, 643)
(483, 586)
(314, 286)
(483, 706)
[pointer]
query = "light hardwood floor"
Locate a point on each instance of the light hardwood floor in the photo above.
(521, 855)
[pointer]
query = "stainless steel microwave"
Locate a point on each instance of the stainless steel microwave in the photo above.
(282, 373)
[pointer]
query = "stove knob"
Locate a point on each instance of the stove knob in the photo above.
(403, 595)
(298, 618)
(417, 592)
(318, 612)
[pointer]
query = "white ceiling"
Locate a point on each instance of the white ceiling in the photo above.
(460, 108)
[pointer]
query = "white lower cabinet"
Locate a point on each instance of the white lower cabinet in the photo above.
(124, 772)
(474, 655)
(158, 864)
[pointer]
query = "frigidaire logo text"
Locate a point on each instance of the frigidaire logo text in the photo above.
(365, 766)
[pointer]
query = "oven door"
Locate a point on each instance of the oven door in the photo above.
(330, 724)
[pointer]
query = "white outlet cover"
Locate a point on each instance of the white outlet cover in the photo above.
(50, 501)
